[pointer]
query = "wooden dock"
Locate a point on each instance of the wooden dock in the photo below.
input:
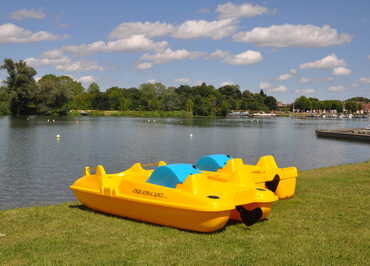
(360, 134)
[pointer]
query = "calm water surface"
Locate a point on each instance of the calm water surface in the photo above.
(36, 168)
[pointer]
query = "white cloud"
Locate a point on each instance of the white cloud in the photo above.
(330, 61)
(183, 80)
(305, 91)
(134, 43)
(293, 35)
(365, 80)
(10, 33)
(79, 66)
(340, 71)
(215, 30)
(169, 55)
(44, 61)
(246, 10)
(190, 29)
(265, 85)
(280, 88)
(62, 63)
(27, 13)
(219, 54)
(293, 71)
(226, 83)
(149, 29)
(53, 53)
(245, 58)
(144, 65)
(87, 79)
(287, 76)
(336, 88)
(304, 80)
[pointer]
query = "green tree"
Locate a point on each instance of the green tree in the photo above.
(21, 86)
(352, 107)
(189, 105)
(270, 102)
(56, 94)
(302, 103)
(4, 101)
(115, 96)
(150, 93)
(224, 108)
(99, 100)
(231, 91)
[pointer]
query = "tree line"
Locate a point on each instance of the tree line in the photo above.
(51, 94)
(309, 104)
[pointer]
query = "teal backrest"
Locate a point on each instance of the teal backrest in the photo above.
(212, 162)
(172, 174)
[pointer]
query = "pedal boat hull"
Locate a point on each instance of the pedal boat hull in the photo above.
(193, 220)
(200, 203)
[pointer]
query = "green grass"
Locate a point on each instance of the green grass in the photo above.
(326, 223)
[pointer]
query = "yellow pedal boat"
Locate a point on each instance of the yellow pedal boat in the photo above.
(266, 173)
(177, 195)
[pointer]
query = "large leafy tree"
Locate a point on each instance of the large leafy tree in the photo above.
(303, 103)
(54, 94)
(270, 102)
(21, 86)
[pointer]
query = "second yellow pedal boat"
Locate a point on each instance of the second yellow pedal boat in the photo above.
(266, 173)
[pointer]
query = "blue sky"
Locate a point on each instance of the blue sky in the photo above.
(289, 48)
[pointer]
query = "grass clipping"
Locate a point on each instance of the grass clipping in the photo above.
(326, 223)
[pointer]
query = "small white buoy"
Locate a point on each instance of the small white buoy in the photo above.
(57, 136)
(191, 135)
(53, 121)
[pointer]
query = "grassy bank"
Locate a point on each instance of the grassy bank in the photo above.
(326, 223)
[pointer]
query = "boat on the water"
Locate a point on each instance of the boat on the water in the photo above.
(177, 195)
(262, 114)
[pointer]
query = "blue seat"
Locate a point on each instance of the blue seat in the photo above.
(172, 174)
(212, 162)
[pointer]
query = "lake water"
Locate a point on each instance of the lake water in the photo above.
(36, 168)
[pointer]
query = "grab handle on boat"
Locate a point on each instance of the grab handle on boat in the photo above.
(87, 171)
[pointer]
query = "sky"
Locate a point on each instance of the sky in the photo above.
(287, 48)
